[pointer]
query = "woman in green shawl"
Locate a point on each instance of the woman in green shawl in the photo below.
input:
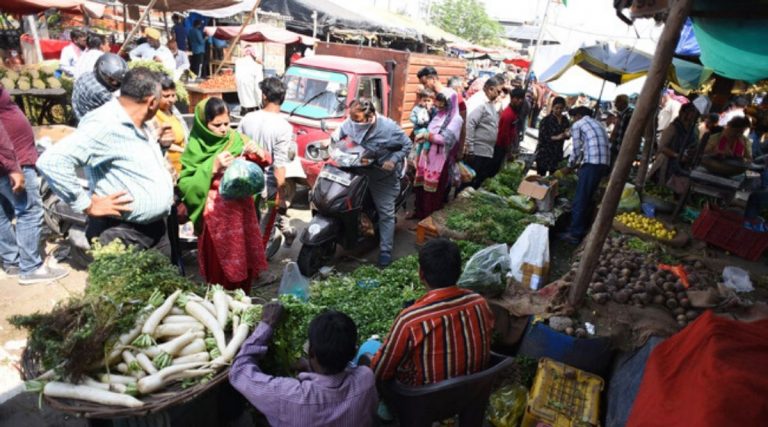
(230, 248)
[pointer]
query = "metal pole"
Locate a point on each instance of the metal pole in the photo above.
(165, 23)
(314, 24)
(35, 37)
(538, 43)
(646, 106)
(137, 26)
(125, 21)
(236, 40)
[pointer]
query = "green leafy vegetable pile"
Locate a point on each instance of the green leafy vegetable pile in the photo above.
(484, 220)
(506, 182)
(372, 297)
(74, 335)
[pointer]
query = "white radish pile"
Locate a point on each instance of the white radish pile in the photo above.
(178, 338)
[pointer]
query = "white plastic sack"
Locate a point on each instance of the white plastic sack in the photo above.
(529, 256)
(737, 279)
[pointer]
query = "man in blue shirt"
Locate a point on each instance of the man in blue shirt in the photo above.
(130, 190)
(180, 31)
(197, 46)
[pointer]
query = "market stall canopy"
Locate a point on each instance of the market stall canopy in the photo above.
(183, 5)
(333, 16)
(243, 6)
(616, 64)
(259, 33)
(24, 7)
(734, 48)
(577, 81)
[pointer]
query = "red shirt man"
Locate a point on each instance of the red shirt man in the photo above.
(507, 137)
(444, 334)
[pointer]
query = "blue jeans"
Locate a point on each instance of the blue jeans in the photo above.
(757, 200)
(589, 179)
(21, 247)
(384, 187)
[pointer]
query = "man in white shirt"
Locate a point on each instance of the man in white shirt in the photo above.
(181, 58)
(275, 134)
(154, 51)
(71, 53)
(248, 73)
(97, 46)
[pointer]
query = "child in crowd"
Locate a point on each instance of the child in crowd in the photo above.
(421, 115)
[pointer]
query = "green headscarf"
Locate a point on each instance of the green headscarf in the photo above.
(197, 162)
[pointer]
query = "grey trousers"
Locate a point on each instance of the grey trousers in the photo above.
(384, 187)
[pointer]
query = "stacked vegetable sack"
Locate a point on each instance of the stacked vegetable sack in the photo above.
(38, 76)
(629, 273)
(172, 336)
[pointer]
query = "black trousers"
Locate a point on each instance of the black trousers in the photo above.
(195, 63)
(144, 236)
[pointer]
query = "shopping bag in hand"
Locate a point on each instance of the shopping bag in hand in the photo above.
(241, 179)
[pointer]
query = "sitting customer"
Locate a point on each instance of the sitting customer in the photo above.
(330, 394)
(731, 142)
(444, 334)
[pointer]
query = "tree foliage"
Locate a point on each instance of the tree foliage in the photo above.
(467, 19)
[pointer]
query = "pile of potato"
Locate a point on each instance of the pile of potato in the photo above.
(627, 276)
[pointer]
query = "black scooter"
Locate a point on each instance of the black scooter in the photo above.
(343, 212)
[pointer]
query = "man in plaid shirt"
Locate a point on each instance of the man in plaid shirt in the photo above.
(592, 150)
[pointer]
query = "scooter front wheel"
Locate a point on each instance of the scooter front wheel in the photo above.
(313, 257)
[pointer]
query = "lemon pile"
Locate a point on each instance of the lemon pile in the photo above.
(646, 225)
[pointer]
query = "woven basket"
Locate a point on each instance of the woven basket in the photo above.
(169, 397)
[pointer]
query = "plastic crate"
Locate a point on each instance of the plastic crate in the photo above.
(726, 231)
(563, 396)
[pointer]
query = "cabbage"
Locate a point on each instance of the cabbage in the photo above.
(7, 83)
(53, 83)
(38, 84)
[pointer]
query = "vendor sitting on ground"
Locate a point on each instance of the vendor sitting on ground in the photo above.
(731, 142)
(329, 394)
(444, 334)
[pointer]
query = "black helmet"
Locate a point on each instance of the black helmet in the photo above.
(110, 70)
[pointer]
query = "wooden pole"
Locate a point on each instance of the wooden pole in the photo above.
(650, 141)
(645, 107)
(165, 23)
(236, 40)
(137, 26)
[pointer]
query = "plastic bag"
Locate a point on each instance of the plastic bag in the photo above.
(679, 271)
(466, 171)
(486, 272)
(737, 279)
(293, 283)
(241, 179)
(529, 256)
(507, 405)
(630, 200)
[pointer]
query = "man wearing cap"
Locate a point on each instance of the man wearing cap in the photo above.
(154, 51)
(592, 151)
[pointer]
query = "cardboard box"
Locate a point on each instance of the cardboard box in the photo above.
(537, 188)
(543, 192)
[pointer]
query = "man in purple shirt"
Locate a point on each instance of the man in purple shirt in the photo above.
(331, 394)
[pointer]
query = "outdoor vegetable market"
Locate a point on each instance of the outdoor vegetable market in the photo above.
(452, 212)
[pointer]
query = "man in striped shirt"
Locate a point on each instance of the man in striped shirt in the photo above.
(444, 334)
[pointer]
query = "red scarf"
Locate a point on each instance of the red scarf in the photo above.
(737, 149)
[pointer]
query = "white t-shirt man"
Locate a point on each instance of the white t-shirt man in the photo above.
(248, 74)
(69, 56)
(272, 131)
(87, 61)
